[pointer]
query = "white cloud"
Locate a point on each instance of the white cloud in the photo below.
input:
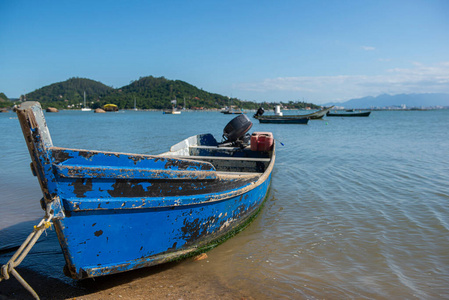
(417, 79)
(368, 48)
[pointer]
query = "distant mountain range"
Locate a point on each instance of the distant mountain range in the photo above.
(385, 100)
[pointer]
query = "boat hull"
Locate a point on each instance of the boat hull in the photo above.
(232, 112)
(283, 120)
(105, 241)
(292, 119)
(362, 114)
(171, 112)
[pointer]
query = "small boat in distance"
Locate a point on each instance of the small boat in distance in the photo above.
(110, 107)
(231, 111)
(289, 119)
(318, 114)
(282, 120)
(115, 212)
(349, 114)
(85, 108)
(173, 110)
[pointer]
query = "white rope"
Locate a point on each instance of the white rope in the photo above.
(22, 252)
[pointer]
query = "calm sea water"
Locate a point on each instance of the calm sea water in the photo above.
(358, 207)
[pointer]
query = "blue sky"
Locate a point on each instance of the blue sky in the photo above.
(314, 51)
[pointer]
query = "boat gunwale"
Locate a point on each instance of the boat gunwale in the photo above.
(177, 200)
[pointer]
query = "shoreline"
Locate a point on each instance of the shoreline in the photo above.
(166, 281)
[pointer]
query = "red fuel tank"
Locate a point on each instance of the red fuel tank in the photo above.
(261, 141)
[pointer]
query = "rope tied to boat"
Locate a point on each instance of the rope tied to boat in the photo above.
(45, 225)
(22, 252)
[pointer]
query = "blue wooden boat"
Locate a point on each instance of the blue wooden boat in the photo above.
(115, 212)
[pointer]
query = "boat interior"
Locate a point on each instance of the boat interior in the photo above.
(224, 157)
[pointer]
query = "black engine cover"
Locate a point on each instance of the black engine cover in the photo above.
(237, 128)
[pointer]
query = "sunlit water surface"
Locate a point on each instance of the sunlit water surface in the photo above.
(358, 207)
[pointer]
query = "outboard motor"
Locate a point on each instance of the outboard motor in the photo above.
(259, 112)
(234, 132)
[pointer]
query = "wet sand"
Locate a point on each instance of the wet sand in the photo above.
(168, 281)
(191, 278)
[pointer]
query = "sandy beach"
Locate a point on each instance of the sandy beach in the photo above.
(168, 281)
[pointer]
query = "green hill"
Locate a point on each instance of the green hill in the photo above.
(156, 93)
(4, 101)
(70, 92)
(149, 92)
